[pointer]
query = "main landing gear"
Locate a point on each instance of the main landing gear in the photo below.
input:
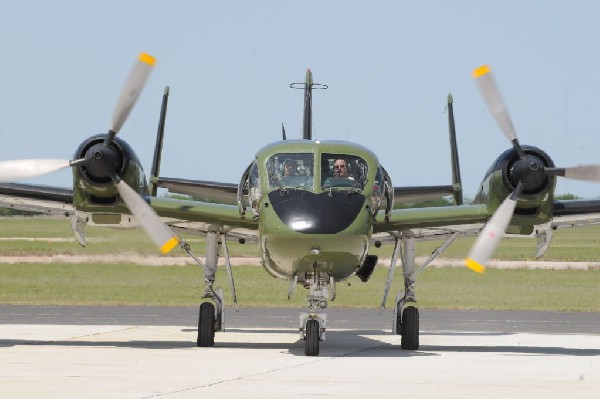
(406, 312)
(211, 315)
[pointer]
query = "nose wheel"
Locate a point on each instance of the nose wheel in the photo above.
(311, 341)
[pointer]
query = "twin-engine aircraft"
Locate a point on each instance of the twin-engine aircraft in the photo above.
(316, 208)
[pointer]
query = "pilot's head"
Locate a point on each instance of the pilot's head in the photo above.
(340, 169)
(290, 168)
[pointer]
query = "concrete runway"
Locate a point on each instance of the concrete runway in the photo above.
(140, 352)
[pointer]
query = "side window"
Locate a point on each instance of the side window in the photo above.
(342, 170)
(254, 192)
(291, 170)
(249, 192)
(378, 190)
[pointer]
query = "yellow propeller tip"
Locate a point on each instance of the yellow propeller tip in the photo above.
(169, 245)
(147, 58)
(482, 70)
(474, 265)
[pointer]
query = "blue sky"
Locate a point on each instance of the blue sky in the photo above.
(389, 66)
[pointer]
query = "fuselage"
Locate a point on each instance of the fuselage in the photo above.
(314, 216)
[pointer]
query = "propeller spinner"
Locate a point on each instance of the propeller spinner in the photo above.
(527, 174)
(101, 160)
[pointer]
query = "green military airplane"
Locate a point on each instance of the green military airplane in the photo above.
(315, 208)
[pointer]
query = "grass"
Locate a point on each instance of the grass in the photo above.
(441, 288)
(438, 288)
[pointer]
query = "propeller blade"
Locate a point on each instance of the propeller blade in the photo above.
(491, 94)
(160, 233)
(131, 90)
(24, 168)
(583, 172)
(492, 233)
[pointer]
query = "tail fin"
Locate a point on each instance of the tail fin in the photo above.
(308, 87)
(155, 171)
(456, 180)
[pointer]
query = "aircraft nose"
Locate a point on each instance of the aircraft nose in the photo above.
(310, 213)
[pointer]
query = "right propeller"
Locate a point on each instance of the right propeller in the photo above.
(528, 173)
(102, 160)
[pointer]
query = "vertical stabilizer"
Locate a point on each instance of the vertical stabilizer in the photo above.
(456, 180)
(155, 171)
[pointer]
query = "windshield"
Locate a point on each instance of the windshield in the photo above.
(293, 170)
(342, 170)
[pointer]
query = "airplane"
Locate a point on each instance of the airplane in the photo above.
(316, 208)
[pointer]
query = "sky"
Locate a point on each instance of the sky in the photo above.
(389, 66)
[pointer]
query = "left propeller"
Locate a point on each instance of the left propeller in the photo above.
(526, 175)
(101, 160)
(24, 168)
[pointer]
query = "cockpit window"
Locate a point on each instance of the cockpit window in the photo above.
(293, 170)
(341, 170)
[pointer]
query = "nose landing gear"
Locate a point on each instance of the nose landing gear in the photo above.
(313, 324)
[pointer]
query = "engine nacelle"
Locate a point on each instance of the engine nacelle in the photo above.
(93, 188)
(535, 202)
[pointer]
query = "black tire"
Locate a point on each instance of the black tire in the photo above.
(311, 342)
(206, 324)
(410, 328)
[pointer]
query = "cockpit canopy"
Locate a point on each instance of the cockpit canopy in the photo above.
(297, 170)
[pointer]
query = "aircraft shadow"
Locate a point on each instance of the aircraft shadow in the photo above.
(346, 343)
(511, 349)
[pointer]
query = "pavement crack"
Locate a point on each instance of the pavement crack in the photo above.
(272, 371)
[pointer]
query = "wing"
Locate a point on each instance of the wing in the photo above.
(36, 198)
(433, 221)
(439, 222)
(198, 217)
(571, 213)
(208, 191)
(411, 194)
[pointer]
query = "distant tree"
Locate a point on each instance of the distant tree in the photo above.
(567, 196)
(426, 204)
(16, 212)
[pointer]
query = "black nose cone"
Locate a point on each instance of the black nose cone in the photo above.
(324, 213)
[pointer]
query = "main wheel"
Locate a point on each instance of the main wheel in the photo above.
(410, 328)
(311, 342)
(206, 324)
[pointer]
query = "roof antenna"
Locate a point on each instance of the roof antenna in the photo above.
(308, 87)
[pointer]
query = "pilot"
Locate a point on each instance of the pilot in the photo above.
(290, 168)
(340, 169)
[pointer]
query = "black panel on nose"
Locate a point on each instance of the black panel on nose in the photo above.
(324, 213)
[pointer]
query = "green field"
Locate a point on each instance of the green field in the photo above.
(443, 288)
